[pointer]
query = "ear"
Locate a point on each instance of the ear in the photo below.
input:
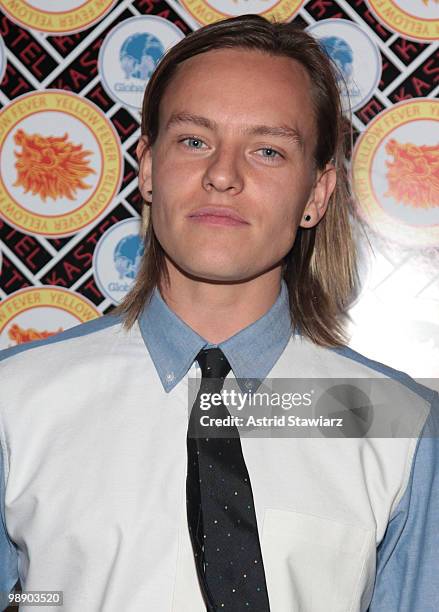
(144, 157)
(320, 195)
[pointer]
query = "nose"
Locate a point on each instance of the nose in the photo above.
(223, 172)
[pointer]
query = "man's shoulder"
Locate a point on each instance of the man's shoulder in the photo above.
(343, 362)
(401, 406)
(96, 333)
(377, 369)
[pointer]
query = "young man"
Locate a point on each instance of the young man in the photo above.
(108, 495)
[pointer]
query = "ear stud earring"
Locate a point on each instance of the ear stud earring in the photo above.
(307, 217)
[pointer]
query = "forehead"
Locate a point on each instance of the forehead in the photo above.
(236, 87)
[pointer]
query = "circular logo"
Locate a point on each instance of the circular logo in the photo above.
(60, 17)
(117, 257)
(36, 313)
(414, 19)
(3, 60)
(356, 57)
(206, 12)
(60, 165)
(395, 169)
(130, 53)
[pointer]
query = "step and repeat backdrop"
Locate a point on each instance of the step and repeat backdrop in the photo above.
(72, 76)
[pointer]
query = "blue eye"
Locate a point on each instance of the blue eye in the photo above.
(197, 142)
(272, 151)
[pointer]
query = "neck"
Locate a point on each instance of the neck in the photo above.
(217, 311)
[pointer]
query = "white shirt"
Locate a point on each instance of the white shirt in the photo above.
(93, 431)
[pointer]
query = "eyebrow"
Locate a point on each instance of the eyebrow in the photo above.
(283, 131)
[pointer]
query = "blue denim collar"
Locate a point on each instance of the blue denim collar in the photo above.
(252, 352)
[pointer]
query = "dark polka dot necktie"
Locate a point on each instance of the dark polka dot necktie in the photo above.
(220, 508)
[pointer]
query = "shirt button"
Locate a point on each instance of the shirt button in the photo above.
(170, 377)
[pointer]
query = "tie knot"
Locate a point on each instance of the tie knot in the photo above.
(213, 363)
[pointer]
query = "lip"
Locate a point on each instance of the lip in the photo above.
(217, 215)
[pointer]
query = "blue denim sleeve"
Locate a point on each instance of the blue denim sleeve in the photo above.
(8, 552)
(407, 578)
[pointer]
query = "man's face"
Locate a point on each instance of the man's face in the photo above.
(213, 150)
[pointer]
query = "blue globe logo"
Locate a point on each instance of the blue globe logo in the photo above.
(127, 256)
(341, 54)
(139, 55)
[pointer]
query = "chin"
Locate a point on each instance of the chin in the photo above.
(215, 276)
(220, 273)
(211, 265)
